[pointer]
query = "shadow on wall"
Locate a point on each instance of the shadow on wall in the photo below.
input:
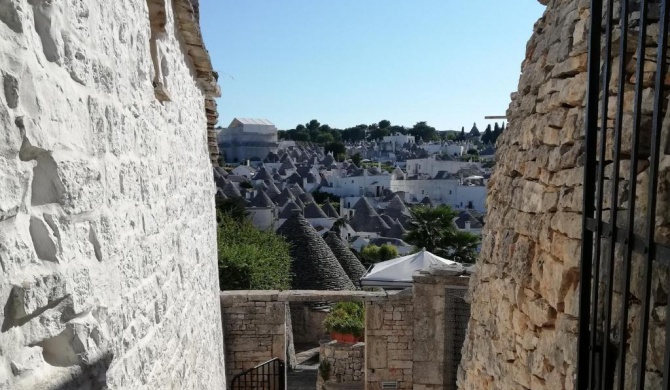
(91, 376)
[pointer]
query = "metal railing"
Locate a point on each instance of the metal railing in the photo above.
(615, 249)
(270, 375)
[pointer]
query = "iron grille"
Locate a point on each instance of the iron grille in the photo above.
(270, 375)
(620, 247)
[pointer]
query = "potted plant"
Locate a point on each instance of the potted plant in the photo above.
(346, 322)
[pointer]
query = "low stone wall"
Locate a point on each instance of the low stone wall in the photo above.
(254, 332)
(257, 326)
(389, 329)
(346, 363)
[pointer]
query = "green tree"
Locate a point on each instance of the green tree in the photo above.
(423, 131)
(249, 258)
(473, 152)
(356, 159)
(234, 208)
(497, 130)
(384, 124)
(464, 247)
(488, 135)
(387, 252)
(373, 254)
(312, 125)
(324, 138)
(433, 228)
(336, 148)
(377, 133)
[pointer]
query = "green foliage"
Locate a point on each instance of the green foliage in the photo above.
(488, 134)
(356, 159)
(346, 318)
(249, 258)
(373, 254)
(246, 184)
(234, 208)
(324, 370)
(464, 247)
(336, 147)
(320, 198)
(384, 124)
(473, 152)
(324, 138)
(433, 228)
(423, 131)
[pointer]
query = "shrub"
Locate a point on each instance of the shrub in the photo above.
(249, 258)
(346, 318)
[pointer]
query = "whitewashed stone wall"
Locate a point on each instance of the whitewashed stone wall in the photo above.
(107, 231)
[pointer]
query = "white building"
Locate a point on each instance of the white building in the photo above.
(396, 141)
(431, 166)
(247, 139)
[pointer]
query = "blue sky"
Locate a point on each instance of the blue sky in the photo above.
(347, 62)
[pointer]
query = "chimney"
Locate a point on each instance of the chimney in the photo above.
(467, 225)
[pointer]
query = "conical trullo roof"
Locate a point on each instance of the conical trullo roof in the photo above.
(261, 200)
(272, 191)
(288, 210)
(231, 191)
(313, 264)
(312, 210)
(330, 210)
(349, 262)
(284, 196)
(396, 230)
(262, 174)
(366, 218)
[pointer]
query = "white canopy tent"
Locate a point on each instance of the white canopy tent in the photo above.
(397, 273)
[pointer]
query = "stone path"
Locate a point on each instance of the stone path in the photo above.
(305, 373)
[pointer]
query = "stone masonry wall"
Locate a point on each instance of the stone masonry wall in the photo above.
(389, 327)
(107, 228)
(255, 332)
(522, 332)
(346, 362)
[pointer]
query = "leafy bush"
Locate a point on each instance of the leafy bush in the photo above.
(324, 370)
(249, 258)
(346, 318)
(373, 254)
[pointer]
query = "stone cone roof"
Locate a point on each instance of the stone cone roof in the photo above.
(427, 202)
(312, 210)
(306, 197)
(313, 264)
(397, 210)
(396, 230)
(287, 211)
(231, 191)
(261, 200)
(284, 196)
(329, 210)
(272, 191)
(389, 221)
(287, 164)
(296, 190)
(349, 262)
(366, 218)
(262, 174)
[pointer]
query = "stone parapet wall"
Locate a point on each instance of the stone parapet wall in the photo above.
(108, 273)
(389, 329)
(254, 332)
(346, 362)
(523, 328)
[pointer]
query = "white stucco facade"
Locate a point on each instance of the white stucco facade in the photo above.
(107, 227)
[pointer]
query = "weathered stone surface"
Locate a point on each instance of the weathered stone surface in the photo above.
(522, 331)
(107, 224)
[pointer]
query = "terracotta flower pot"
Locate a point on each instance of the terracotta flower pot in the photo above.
(345, 337)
